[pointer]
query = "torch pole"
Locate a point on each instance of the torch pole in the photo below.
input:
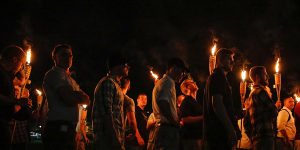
(212, 63)
(278, 85)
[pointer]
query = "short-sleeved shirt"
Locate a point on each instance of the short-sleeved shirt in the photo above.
(55, 78)
(285, 121)
(191, 108)
(109, 100)
(217, 84)
(164, 90)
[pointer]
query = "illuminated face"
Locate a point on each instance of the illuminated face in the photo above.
(125, 70)
(142, 100)
(289, 103)
(64, 58)
(228, 63)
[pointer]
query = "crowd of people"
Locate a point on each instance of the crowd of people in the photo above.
(182, 121)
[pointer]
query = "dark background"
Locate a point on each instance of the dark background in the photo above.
(151, 31)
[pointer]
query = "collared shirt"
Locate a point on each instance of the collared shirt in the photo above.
(217, 84)
(55, 78)
(164, 90)
(262, 113)
(284, 123)
(109, 100)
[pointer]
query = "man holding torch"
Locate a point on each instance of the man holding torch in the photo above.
(63, 95)
(262, 113)
(11, 62)
(220, 126)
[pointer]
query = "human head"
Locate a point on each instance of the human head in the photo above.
(180, 98)
(225, 59)
(13, 58)
(142, 101)
(176, 69)
(62, 56)
(125, 85)
(259, 75)
(117, 65)
(289, 103)
(188, 86)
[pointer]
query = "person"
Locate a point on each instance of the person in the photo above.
(12, 60)
(191, 117)
(63, 95)
(244, 143)
(133, 138)
(108, 115)
(81, 138)
(260, 119)
(220, 125)
(179, 100)
(297, 123)
(19, 128)
(141, 116)
(286, 126)
(150, 127)
(166, 132)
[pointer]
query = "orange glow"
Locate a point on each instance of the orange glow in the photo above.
(28, 56)
(38, 92)
(297, 98)
(84, 106)
(277, 66)
(213, 50)
(243, 75)
(155, 76)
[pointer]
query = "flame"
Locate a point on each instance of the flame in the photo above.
(155, 76)
(213, 50)
(243, 75)
(84, 106)
(38, 92)
(277, 66)
(297, 98)
(28, 56)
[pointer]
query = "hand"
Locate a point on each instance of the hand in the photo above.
(278, 104)
(140, 141)
(17, 108)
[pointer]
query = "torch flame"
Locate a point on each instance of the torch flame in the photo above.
(154, 75)
(243, 75)
(213, 50)
(297, 98)
(28, 56)
(277, 66)
(38, 92)
(84, 106)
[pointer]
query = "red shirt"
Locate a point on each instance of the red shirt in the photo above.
(297, 121)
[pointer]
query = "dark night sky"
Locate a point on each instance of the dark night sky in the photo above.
(150, 32)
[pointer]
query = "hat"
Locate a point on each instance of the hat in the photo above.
(178, 63)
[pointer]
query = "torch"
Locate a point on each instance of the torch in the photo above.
(297, 98)
(243, 85)
(155, 76)
(39, 99)
(277, 76)
(212, 59)
(27, 70)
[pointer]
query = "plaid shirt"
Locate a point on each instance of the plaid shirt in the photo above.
(262, 113)
(108, 100)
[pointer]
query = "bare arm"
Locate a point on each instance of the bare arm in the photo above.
(133, 126)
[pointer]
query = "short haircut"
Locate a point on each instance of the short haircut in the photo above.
(177, 62)
(223, 53)
(60, 47)
(12, 51)
(256, 70)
